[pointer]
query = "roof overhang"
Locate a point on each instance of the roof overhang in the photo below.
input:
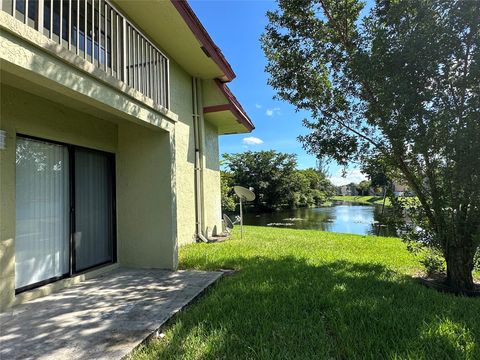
(208, 45)
(223, 109)
(191, 46)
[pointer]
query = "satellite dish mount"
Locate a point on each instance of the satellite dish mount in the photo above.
(243, 194)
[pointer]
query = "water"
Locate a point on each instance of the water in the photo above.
(351, 218)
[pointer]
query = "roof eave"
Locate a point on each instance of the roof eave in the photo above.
(234, 106)
(208, 45)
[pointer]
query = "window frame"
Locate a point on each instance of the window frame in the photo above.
(71, 216)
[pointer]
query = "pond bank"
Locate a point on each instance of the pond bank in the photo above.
(367, 200)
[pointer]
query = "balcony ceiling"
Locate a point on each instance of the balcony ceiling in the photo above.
(170, 27)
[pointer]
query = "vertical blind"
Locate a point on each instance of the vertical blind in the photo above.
(54, 181)
(42, 208)
(93, 209)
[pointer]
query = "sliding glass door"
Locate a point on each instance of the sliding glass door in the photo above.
(42, 212)
(93, 209)
(65, 211)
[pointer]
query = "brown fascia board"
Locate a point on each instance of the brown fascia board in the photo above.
(208, 45)
(214, 52)
(233, 106)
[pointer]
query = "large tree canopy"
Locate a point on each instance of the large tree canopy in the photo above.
(398, 84)
(276, 180)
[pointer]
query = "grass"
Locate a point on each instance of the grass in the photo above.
(378, 200)
(301, 294)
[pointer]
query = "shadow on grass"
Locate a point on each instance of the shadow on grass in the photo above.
(289, 308)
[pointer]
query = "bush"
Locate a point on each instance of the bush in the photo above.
(433, 262)
(228, 197)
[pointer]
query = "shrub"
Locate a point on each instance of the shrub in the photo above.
(433, 262)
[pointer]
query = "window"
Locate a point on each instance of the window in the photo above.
(42, 212)
(65, 211)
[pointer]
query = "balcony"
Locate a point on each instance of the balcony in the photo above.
(99, 33)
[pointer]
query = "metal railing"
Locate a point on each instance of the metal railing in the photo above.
(98, 32)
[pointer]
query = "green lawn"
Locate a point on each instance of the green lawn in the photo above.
(363, 199)
(302, 294)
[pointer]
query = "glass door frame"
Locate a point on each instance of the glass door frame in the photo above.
(71, 215)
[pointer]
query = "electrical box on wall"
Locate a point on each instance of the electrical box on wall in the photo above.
(3, 136)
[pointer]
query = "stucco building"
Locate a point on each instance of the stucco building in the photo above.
(110, 117)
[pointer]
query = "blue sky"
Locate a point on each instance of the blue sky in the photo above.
(236, 26)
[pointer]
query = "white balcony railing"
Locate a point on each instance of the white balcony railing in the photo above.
(98, 32)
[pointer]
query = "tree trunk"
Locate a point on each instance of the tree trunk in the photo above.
(460, 268)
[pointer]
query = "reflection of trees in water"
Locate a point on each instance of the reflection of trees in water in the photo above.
(374, 222)
(387, 221)
(303, 218)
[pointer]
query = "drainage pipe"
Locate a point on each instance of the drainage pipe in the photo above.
(198, 163)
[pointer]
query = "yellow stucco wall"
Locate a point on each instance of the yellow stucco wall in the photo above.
(181, 104)
(7, 216)
(27, 114)
(154, 150)
(211, 94)
(24, 49)
(146, 226)
(211, 180)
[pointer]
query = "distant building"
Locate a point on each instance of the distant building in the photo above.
(400, 189)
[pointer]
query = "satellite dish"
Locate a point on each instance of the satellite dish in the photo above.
(245, 195)
(228, 222)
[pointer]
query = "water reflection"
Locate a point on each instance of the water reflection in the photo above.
(348, 218)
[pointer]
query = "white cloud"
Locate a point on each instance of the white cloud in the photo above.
(352, 176)
(252, 141)
(258, 106)
(272, 112)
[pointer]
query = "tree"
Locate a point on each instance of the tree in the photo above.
(276, 180)
(377, 174)
(363, 187)
(226, 187)
(310, 187)
(270, 173)
(299, 194)
(398, 86)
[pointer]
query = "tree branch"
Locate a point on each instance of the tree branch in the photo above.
(397, 156)
(363, 136)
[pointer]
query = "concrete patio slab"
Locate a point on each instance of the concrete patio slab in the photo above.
(101, 318)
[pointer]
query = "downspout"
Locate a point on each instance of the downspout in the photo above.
(198, 164)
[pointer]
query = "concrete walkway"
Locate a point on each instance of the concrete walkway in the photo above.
(101, 318)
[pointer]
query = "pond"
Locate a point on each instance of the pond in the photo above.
(342, 217)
